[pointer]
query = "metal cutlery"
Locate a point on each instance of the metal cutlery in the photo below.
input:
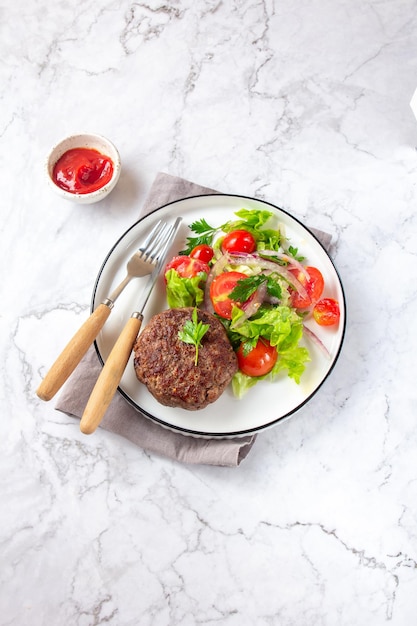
(142, 263)
(115, 365)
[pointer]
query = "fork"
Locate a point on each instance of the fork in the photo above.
(115, 365)
(142, 263)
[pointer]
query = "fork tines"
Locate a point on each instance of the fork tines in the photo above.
(150, 249)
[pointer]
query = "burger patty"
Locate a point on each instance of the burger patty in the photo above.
(166, 364)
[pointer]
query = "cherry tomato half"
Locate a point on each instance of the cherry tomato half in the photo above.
(314, 287)
(203, 252)
(186, 266)
(327, 312)
(239, 241)
(259, 361)
(220, 289)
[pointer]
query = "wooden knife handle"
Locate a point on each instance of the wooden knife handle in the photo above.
(110, 376)
(73, 353)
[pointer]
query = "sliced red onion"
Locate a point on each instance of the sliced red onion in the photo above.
(220, 264)
(292, 263)
(281, 256)
(251, 260)
(252, 305)
(272, 300)
(317, 341)
(255, 260)
(215, 270)
(207, 303)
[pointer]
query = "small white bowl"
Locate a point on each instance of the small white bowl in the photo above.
(84, 140)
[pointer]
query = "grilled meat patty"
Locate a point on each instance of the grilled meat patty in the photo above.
(166, 365)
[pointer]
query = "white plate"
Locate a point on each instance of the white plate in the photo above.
(268, 402)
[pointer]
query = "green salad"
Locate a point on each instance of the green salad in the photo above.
(251, 278)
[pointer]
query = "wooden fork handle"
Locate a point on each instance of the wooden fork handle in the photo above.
(110, 376)
(73, 353)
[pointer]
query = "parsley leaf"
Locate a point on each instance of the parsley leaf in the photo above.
(247, 286)
(201, 226)
(204, 232)
(193, 332)
(294, 253)
(273, 287)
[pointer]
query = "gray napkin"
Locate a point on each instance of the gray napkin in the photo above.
(120, 417)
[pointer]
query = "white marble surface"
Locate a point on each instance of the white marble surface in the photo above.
(304, 104)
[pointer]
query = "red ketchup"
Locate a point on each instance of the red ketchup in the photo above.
(82, 170)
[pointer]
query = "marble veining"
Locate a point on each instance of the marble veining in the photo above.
(303, 104)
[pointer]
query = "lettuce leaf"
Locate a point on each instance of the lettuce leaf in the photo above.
(283, 327)
(253, 221)
(253, 218)
(241, 383)
(183, 292)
